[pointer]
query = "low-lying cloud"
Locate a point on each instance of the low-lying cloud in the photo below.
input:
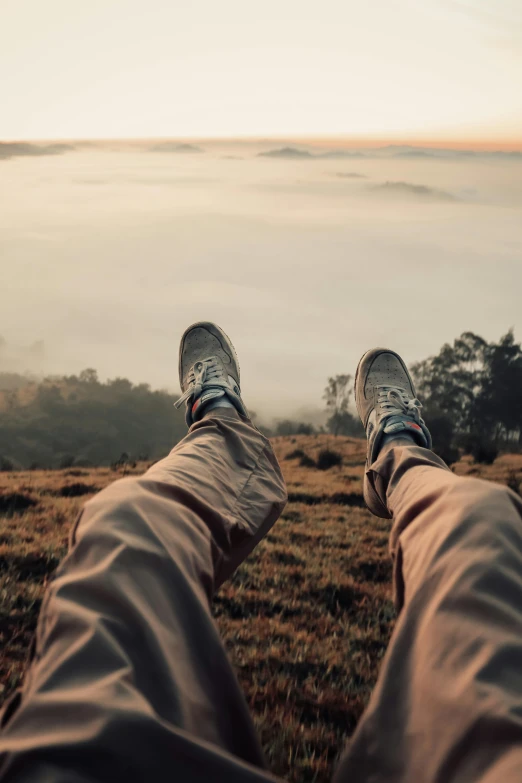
(350, 175)
(22, 358)
(131, 248)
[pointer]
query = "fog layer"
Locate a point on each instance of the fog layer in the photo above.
(305, 260)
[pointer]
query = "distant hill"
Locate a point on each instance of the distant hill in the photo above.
(18, 149)
(409, 189)
(296, 153)
(405, 151)
(170, 146)
(393, 151)
(286, 152)
(340, 154)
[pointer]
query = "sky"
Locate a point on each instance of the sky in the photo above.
(409, 69)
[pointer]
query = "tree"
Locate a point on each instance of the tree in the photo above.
(88, 376)
(499, 403)
(345, 424)
(450, 381)
(473, 388)
(337, 397)
(80, 420)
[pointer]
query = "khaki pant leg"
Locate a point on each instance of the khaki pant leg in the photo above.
(130, 679)
(448, 703)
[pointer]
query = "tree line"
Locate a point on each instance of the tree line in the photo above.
(79, 421)
(471, 393)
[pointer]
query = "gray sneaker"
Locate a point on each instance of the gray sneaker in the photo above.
(208, 370)
(387, 404)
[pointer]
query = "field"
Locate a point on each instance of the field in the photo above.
(306, 619)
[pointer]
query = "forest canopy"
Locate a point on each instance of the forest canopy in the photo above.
(78, 420)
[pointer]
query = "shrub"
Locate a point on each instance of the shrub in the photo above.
(307, 462)
(6, 464)
(76, 490)
(485, 453)
(15, 503)
(295, 454)
(328, 459)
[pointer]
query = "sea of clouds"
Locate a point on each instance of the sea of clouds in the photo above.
(306, 255)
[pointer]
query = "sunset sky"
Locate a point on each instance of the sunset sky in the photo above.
(409, 69)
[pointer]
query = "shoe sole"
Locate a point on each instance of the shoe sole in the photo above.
(219, 334)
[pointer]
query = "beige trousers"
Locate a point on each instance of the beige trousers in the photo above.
(130, 680)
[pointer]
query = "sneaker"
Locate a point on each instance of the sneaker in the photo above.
(208, 370)
(387, 404)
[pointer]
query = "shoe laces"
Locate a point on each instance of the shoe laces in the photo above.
(394, 401)
(204, 373)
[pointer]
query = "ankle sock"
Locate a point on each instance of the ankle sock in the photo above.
(222, 402)
(398, 439)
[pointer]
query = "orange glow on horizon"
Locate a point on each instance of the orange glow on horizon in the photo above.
(339, 141)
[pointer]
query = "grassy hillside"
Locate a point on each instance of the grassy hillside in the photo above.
(306, 619)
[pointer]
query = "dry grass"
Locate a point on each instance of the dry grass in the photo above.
(306, 619)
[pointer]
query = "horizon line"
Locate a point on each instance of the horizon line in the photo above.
(343, 141)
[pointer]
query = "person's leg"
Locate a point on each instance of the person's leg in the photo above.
(448, 703)
(130, 679)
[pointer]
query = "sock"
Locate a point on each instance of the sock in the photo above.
(222, 402)
(397, 439)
